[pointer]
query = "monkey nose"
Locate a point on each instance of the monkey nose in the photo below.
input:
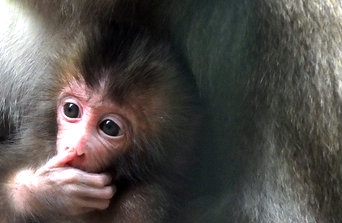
(79, 151)
(81, 156)
(69, 149)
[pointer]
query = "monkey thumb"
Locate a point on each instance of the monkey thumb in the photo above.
(61, 159)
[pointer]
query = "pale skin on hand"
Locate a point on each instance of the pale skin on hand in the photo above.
(56, 186)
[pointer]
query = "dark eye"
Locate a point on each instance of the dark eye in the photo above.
(71, 110)
(110, 128)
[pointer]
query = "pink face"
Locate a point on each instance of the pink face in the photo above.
(92, 125)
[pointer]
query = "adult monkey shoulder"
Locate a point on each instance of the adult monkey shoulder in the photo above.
(283, 58)
(305, 134)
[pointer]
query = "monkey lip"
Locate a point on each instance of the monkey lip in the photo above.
(82, 164)
(78, 163)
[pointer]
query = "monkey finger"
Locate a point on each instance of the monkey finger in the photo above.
(105, 193)
(61, 159)
(99, 204)
(96, 180)
(78, 207)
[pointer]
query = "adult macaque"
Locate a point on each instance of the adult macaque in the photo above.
(123, 113)
(270, 71)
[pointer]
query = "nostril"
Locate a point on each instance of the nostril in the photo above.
(69, 149)
(80, 151)
(81, 156)
(78, 161)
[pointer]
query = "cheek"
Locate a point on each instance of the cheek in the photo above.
(60, 132)
(102, 155)
(61, 141)
(64, 140)
(103, 152)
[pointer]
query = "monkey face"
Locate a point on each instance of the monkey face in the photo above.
(95, 127)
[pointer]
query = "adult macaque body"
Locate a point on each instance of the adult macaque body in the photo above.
(281, 160)
(121, 109)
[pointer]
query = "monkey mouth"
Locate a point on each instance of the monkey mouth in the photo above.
(82, 164)
(78, 163)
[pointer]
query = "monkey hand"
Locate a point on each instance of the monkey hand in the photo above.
(57, 188)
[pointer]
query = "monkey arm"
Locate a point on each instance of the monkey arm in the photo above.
(58, 189)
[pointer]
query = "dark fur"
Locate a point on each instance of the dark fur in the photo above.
(295, 96)
(270, 72)
(139, 64)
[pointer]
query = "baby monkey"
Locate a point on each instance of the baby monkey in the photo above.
(127, 116)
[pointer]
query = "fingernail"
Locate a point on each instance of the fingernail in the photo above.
(70, 150)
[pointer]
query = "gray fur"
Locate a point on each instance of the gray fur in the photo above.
(270, 71)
